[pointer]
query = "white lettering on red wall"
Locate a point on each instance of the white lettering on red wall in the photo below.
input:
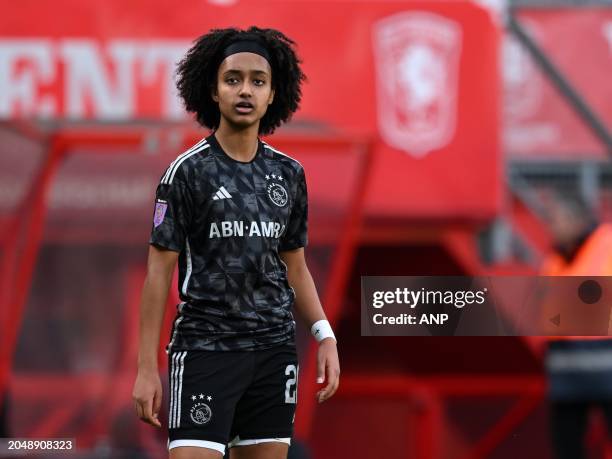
(83, 78)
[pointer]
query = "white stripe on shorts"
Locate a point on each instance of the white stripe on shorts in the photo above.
(180, 387)
(176, 385)
(172, 389)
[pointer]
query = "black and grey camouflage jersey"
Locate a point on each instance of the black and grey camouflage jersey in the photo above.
(228, 220)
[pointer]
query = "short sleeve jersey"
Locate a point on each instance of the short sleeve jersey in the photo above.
(229, 220)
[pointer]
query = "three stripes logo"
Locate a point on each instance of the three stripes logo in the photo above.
(221, 193)
(177, 367)
(174, 166)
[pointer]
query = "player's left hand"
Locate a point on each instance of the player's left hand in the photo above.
(328, 368)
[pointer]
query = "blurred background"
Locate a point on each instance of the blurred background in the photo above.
(434, 135)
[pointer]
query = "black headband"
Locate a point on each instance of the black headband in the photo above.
(246, 46)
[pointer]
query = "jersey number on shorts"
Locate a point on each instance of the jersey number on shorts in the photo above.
(291, 385)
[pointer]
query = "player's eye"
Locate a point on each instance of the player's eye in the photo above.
(231, 80)
(259, 82)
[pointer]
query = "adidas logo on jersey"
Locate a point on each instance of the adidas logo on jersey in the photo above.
(221, 193)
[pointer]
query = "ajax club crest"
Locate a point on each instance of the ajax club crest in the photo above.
(276, 190)
(200, 412)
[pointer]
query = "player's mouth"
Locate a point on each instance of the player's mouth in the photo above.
(244, 107)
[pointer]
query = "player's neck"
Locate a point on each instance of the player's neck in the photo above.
(241, 144)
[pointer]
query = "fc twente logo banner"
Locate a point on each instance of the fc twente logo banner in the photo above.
(417, 68)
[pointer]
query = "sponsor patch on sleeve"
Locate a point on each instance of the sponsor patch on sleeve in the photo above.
(160, 212)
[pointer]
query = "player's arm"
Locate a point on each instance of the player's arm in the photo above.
(147, 393)
(308, 307)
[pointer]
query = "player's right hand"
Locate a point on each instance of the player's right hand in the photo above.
(147, 395)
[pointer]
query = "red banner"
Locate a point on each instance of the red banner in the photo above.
(539, 122)
(419, 78)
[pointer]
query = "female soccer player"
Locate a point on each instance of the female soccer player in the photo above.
(233, 211)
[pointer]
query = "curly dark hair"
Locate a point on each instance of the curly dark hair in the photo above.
(197, 75)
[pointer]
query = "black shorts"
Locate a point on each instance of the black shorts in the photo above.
(232, 398)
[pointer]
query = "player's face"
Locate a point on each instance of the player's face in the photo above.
(244, 89)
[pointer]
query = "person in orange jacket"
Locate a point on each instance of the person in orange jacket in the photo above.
(579, 368)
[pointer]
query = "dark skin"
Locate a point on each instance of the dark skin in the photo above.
(244, 91)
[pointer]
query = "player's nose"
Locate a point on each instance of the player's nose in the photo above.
(245, 89)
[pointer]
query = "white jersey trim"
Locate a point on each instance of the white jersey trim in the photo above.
(174, 166)
(198, 443)
(189, 267)
(280, 153)
(237, 441)
(167, 174)
(177, 321)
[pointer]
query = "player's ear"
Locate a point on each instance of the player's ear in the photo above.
(271, 99)
(214, 94)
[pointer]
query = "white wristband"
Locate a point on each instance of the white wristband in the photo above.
(321, 329)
